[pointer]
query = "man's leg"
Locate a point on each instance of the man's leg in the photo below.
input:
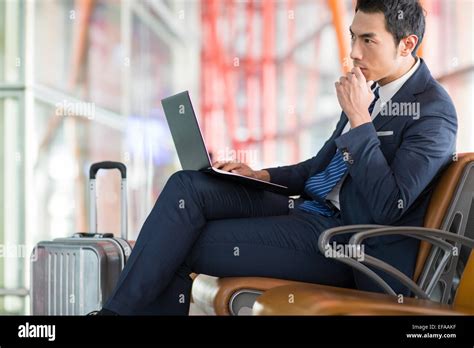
(282, 247)
(188, 201)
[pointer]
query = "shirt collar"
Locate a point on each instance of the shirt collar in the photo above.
(387, 91)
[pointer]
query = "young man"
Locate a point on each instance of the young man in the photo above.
(393, 139)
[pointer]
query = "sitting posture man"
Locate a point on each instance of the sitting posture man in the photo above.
(378, 167)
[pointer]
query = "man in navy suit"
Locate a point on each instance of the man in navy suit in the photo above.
(393, 139)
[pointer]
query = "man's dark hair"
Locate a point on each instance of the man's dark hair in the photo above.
(402, 17)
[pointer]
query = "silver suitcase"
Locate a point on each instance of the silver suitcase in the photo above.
(75, 275)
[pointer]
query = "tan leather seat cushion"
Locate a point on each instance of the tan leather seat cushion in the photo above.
(314, 299)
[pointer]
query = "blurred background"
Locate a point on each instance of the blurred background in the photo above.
(81, 81)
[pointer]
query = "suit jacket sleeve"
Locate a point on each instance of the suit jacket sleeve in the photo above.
(428, 144)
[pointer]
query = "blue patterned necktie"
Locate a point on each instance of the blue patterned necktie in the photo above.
(319, 185)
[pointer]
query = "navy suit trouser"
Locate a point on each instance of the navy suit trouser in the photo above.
(205, 224)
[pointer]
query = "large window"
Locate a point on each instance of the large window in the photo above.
(13, 250)
(98, 72)
(80, 51)
(449, 53)
(11, 45)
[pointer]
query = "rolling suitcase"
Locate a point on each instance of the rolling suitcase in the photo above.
(75, 275)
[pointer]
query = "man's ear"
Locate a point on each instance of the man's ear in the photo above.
(408, 44)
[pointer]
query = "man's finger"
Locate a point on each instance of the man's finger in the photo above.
(350, 75)
(358, 73)
(219, 164)
(231, 166)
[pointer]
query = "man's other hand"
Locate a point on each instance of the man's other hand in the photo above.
(242, 169)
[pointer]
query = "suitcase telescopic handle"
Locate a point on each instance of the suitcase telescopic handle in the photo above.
(93, 196)
(107, 165)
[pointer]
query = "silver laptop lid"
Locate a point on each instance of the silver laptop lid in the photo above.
(187, 136)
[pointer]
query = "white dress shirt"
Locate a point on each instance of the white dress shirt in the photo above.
(386, 93)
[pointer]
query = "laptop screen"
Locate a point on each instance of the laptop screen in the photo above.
(187, 136)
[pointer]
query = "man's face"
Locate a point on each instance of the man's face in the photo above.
(373, 47)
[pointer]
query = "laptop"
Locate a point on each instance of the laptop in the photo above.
(192, 150)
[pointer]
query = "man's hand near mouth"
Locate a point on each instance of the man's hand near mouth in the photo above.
(354, 95)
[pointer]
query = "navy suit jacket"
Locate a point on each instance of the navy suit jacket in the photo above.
(390, 177)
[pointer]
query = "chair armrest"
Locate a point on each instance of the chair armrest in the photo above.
(412, 231)
(401, 277)
(326, 236)
(420, 233)
(324, 246)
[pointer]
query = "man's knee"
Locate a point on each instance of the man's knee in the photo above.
(187, 178)
(181, 176)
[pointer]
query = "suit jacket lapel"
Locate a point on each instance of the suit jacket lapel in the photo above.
(402, 96)
(415, 84)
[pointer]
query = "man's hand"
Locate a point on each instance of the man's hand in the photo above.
(242, 169)
(354, 95)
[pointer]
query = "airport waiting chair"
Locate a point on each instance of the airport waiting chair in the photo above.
(313, 299)
(443, 279)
